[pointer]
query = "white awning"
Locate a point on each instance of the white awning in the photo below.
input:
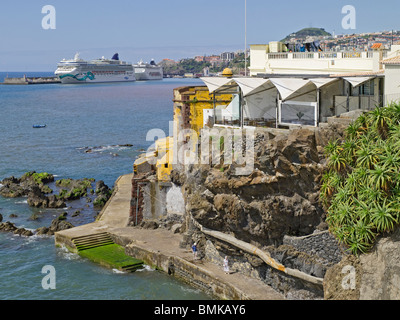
(358, 81)
(252, 86)
(215, 84)
(320, 82)
(288, 87)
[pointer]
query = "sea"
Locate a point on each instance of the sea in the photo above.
(92, 131)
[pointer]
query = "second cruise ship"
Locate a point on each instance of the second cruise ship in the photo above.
(148, 71)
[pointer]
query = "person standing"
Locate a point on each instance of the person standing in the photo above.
(194, 249)
(226, 265)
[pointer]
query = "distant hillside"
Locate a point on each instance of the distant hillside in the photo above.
(307, 32)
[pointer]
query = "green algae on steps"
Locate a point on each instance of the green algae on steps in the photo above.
(112, 256)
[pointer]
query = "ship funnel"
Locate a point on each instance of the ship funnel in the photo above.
(115, 57)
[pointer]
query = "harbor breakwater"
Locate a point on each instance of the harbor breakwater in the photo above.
(30, 80)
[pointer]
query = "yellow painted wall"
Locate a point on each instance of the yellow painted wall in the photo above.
(198, 99)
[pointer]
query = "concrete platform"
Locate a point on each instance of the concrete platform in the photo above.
(160, 249)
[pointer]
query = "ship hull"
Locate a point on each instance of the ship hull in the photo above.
(146, 74)
(87, 78)
(95, 71)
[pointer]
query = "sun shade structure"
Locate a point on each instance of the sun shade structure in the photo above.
(358, 81)
(322, 82)
(251, 86)
(290, 87)
(218, 85)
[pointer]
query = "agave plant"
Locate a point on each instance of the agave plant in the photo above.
(337, 162)
(362, 188)
(358, 238)
(367, 155)
(393, 110)
(332, 147)
(330, 182)
(353, 131)
(384, 216)
(363, 211)
(350, 152)
(381, 177)
(380, 120)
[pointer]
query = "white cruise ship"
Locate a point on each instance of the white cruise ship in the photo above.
(95, 71)
(148, 71)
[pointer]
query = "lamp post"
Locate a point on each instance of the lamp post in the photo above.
(245, 38)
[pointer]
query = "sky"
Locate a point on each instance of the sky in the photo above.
(173, 29)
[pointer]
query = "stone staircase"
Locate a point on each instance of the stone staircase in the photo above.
(101, 248)
(92, 241)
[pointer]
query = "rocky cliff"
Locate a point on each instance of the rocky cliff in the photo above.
(279, 198)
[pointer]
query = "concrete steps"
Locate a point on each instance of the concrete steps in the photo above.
(101, 248)
(92, 241)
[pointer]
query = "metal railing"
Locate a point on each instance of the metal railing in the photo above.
(278, 55)
(303, 55)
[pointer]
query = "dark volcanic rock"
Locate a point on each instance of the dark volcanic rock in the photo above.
(103, 193)
(280, 197)
(8, 227)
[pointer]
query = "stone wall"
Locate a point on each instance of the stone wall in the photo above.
(152, 200)
(253, 267)
(321, 244)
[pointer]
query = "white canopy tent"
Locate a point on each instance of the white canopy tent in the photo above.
(289, 87)
(358, 81)
(321, 82)
(261, 95)
(250, 86)
(217, 84)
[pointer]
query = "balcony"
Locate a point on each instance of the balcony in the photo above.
(322, 55)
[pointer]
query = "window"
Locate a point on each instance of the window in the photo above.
(366, 89)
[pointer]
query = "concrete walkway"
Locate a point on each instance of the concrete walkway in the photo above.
(160, 247)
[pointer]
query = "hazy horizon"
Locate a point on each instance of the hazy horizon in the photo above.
(173, 29)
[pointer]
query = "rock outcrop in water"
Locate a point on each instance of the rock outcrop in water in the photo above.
(35, 187)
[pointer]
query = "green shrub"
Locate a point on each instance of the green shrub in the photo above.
(361, 189)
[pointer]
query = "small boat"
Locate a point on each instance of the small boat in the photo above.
(38, 126)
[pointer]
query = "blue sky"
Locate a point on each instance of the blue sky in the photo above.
(172, 29)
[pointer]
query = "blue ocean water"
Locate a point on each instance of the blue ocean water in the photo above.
(100, 117)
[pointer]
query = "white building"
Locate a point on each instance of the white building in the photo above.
(272, 58)
(306, 88)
